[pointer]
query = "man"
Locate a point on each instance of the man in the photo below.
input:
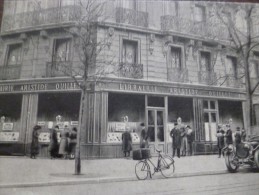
(176, 138)
(220, 139)
(190, 138)
(126, 142)
(229, 139)
(243, 135)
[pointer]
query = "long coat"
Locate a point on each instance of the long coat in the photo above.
(126, 142)
(220, 139)
(229, 139)
(35, 146)
(53, 145)
(63, 147)
(176, 135)
(143, 139)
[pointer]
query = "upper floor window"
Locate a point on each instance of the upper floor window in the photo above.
(231, 66)
(171, 8)
(254, 68)
(62, 49)
(205, 61)
(130, 4)
(130, 52)
(199, 13)
(14, 56)
(175, 58)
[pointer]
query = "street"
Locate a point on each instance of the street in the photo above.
(244, 182)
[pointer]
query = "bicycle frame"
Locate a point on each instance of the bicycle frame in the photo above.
(156, 168)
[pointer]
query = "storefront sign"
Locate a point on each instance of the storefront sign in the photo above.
(9, 136)
(44, 137)
(120, 126)
(41, 123)
(7, 126)
(58, 86)
(171, 90)
(114, 138)
(74, 123)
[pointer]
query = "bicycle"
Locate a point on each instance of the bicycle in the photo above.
(165, 165)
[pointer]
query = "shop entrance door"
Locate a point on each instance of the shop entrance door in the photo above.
(156, 129)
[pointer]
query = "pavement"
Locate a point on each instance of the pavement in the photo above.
(18, 172)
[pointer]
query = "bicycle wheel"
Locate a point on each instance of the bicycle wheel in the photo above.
(167, 166)
(142, 170)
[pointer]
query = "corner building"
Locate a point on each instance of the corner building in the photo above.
(171, 64)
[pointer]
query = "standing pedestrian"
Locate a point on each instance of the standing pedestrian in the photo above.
(238, 136)
(220, 139)
(63, 147)
(72, 142)
(243, 135)
(126, 142)
(229, 138)
(190, 138)
(176, 138)
(143, 137)
(35, 146)
(53, 145)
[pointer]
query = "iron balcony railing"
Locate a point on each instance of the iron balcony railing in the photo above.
(10, 72)
(177, 75)
(232, 81)
(132, 17)
(58, 69)
(207, 77)
(36, 18)
(203, 29)
(131, 70)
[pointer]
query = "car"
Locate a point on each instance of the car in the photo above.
(243, 154)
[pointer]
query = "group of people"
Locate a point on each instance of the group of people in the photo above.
(226, 138)
(64, 149)
(182, 139)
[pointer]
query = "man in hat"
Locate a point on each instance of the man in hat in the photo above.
(176, 138)
(229, 139)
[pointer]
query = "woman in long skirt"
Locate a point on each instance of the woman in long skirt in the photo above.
(35, 142)
(63, 147)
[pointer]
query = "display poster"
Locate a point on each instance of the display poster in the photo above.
(135, 138)
(114, 137)
(213, 127)
(9, 136)
(41, 123)
(170, 126)
(207, 132)
(44, 137)
(74, 123)
(120, 127)
(7, 126)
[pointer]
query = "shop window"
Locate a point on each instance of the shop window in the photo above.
(175, 58)
(199, 14)
(130, 52)
(209, 105)
(62, 50)
(205, 61)
(231, 66)
(14, 56)
(154, 101)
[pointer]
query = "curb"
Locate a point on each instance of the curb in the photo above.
(104, 180)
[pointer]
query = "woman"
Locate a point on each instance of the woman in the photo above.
(220, 139)
(63, 147)
(126, 143)
(72, 143)
(53, 145)
(35, 141)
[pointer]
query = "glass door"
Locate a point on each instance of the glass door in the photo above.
(156, 135)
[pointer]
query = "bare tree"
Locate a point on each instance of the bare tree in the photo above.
(243, 41)
(89, 48)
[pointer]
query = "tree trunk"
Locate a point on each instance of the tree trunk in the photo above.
(82, 127)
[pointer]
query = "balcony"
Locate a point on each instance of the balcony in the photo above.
(131, 70)
(231, 81)
(190, 27)
(10, 72)
(58, 69)
(207, 77)
(132, 17)
(177, 75)
(57, 15)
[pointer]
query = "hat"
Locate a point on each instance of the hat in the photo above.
(175, 124)
(238, 128)
(142, 124)
(36, 127)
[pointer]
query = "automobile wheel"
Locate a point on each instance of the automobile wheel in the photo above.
(256, 157)
(231, 163)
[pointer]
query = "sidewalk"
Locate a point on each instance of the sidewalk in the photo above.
(26, 172)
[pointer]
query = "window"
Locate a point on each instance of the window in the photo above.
(175, 60)
(62, 50)
(205, 61)
(130, 52)
(231, 66)
(14, 56)
(199, 14)
(129, 4)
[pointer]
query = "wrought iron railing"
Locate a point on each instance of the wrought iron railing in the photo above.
(10, 72)
(232, 81)
(130, 16)
(40, 17)
(203, 29)
(177, 75)
(131, 70)
(207, 77)
(58, 69)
